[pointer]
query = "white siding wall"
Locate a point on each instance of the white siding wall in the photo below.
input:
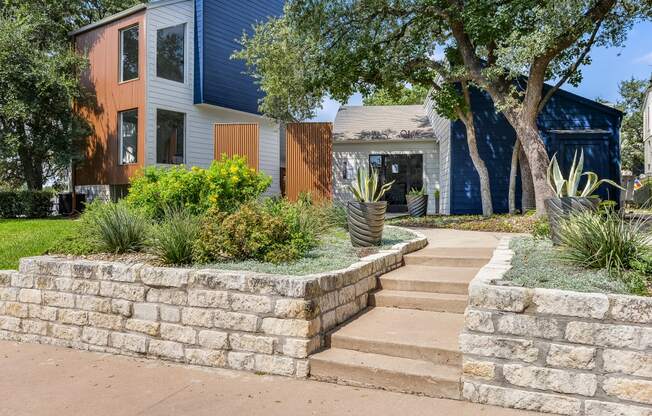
(647, 132)
(357, 155)
(200, 119)
(442, 129)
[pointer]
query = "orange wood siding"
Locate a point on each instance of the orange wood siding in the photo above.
(238, 139)
(102, 46)
(309, 159)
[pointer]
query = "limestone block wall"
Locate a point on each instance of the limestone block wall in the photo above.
(556, 351)
(238, 320)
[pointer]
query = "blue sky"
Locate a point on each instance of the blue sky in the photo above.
(601, 78)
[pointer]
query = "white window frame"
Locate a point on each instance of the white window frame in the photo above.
(186, 47)
(185, 134)
(121, 54)
(121, 161)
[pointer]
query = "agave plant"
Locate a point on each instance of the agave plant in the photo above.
(365, 188)
(571, 186)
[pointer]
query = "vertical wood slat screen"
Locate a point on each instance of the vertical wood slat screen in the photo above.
(309, 159)
(238, 139)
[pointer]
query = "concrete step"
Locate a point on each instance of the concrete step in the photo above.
(389, 373)
(450, 257)
(405, 333)
(423, 301)
(416, 278)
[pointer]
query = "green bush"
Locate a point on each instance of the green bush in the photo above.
(249, 233)
(172, 241)
(116, 227)
(603, 239)
(228, 183)
(28, 204)
(541, 228)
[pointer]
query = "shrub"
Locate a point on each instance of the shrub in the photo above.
(115, 227)
(541, 228)
(249, 233)
(603, 240)
(228, 183)
(29, 204)
(172, 240)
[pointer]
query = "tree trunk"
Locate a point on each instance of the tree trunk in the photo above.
(32, 169)
(527, 187)
(512, 178)
(480, 167)
(527, 133)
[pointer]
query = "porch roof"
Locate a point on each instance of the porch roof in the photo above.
(382, 123)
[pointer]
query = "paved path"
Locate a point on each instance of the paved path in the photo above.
(45, 380)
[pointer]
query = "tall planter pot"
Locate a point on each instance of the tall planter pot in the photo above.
(559, 209)
(366, 222)
(417, 205)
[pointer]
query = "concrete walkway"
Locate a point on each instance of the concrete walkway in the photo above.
(40, 380)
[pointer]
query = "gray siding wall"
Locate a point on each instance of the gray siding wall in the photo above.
(356, 155)
(200, 119)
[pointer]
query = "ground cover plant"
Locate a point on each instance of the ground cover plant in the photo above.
(599, 251)
(24, 238)
(506, 223)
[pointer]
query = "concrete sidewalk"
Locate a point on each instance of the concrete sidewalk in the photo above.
(45, 380)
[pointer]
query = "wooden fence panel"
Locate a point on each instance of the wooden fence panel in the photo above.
(238, 139)
(309, 159)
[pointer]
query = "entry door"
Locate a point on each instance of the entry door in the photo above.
(405, 170)
(596, 159)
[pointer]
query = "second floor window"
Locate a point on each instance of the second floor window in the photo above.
(128, 136)
(170, 53)
(129, 54)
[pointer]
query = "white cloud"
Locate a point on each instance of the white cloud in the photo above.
(645, 59)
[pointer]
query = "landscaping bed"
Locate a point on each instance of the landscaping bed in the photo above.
(505, 223)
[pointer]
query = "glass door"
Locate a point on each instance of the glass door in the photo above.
(405, 170)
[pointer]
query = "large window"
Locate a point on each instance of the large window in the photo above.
(169, 137)
(128, 136)
(129, 54)
(170, 53)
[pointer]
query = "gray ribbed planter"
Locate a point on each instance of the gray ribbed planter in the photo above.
(417, 205)
(366, 222)
(559, 209)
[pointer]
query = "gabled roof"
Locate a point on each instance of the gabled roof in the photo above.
(382, 123)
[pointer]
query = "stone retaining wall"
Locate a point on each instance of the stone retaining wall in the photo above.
(238, 320)
(555, 351)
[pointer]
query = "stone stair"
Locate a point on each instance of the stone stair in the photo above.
(407, 341)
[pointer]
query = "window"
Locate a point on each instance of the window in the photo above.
(129, 54)
(170, 52)
(128, 136)
(169, 137)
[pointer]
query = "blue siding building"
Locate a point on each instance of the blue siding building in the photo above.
(568, 123)
(219, 24)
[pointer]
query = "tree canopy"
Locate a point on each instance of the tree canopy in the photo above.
(39, 80)
(632, 96)
(404, 96)
(338, 47)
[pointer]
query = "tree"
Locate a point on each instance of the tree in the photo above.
(404, 96)
(361, 45)
(39, 79)
(296, 72)
(632, 97)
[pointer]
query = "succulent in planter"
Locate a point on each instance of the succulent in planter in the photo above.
(366, 215)
(569, 198)
(417, 202)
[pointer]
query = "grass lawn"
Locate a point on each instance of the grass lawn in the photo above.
(335, 252)
(23, 238)
(503, 223)
(536, 264)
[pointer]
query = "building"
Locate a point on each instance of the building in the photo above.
(416, 147)
(166, 91)
(647, 130)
